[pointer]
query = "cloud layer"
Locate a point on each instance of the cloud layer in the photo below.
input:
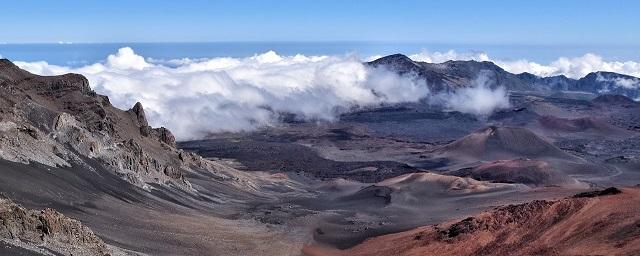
(194, 97)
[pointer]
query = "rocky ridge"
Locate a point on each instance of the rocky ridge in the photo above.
(451, 74)
(61, 121)
(456, 74)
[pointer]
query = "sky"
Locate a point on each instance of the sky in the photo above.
(547, 22)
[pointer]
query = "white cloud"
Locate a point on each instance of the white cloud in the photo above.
(521, 66)
(42, 68)
(626, 83)
(479, 98)
(439, 57)
(127, 59)
(194, 97)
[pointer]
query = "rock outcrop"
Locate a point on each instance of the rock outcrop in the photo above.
(47, 229)
(161, 134)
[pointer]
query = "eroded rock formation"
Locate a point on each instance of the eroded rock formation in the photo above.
(47, 229)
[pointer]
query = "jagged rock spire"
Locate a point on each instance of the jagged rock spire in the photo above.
(140, 116)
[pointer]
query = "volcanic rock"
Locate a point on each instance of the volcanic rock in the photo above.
(451, 74)
(49, 229)
(604, 192)
(573, 226)
(521, 170)
(59, 120)
(138, 112)
(495, 143)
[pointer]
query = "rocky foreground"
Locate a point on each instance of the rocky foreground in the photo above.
(599, 223)
(47, 231)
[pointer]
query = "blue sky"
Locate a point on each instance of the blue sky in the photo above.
(568, 22)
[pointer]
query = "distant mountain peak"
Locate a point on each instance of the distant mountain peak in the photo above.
(397, 56)
(396, 61)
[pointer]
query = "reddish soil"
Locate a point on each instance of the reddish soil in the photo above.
(600, 225)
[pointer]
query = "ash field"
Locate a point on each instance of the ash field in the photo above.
(79, 176)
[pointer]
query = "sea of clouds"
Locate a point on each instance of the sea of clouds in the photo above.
(194, 97)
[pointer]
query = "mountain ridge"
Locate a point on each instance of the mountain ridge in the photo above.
(454, 74)
(73, 121)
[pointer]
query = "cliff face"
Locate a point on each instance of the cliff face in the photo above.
(61, 121)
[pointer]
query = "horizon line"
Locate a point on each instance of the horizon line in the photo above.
(62, 43)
